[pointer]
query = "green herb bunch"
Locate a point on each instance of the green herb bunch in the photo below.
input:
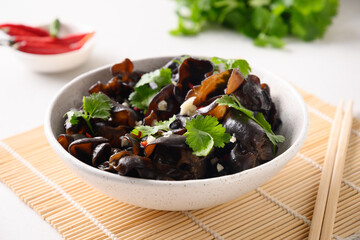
(266, 21)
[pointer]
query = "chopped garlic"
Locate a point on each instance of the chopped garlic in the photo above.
(167, 134)
(150, 139)
(188, 108)
(219, 167)
(138, 123)
(214, 160)
(126, 104)
(162, 106)
(233, 138)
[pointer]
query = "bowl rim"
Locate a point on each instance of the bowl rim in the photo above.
(298, 142)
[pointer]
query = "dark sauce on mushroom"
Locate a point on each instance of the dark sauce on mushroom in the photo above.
(111, 147)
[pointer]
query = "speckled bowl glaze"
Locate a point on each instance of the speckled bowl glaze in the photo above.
(189, 194)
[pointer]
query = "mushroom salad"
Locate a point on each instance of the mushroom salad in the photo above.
(191, 119)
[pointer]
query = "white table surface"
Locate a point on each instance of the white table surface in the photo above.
(328, 68)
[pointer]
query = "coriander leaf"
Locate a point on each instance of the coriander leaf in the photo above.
(142, 97)
(143, 131)
(202, 139)
(159, 76)
(97, 105)
(148, 86)
(165, 125)
(233, 102)
(205, 132)
(259, 118)
(240, 64)
(54, 28)
(73, 116)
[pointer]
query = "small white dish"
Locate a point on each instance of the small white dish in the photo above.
(54, 63)
(189, 194)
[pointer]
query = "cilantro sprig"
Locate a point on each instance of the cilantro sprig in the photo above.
(259, 118)
(97, 105)
(240, 64)
(143, 131)
(265, 21)
(204, 133)
(148, 86)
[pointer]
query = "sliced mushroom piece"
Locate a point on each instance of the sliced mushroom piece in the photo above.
(122, 115)
(114, 88)
(80, 128)
(214, 109)
(101, 153)
(179, 122)
(212, 86)
(252, 96)
(114, 159)
(113, 134)
(191, 72)
(125, 67)
(166, 95)
(174, 140)
(151, 118)
(249, 134)
(132, 143)
(83, 148)
(240, 160)
(195, 165)
(164, 104)
(65, 140)
(235, 81)
(128, 162)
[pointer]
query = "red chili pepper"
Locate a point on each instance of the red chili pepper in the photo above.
(191, 85)
(43, 48)
(65, 40)
(48, 46)
(34, 39)
(139, 135)
(144, 143)
(79, 44)
(88, 135)
(75, 38)
(23, 30)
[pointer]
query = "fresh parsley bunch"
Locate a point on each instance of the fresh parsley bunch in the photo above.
(266, 21)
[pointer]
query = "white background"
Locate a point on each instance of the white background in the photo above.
(328, 68)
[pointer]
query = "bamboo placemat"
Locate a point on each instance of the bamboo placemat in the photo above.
(280, 209)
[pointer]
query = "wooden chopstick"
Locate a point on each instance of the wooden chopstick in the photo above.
(334, 191)
(323, 190)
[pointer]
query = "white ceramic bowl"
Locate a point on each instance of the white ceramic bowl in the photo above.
(189, 194)
(54, 63)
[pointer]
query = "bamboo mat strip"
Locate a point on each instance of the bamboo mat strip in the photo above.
(280, 209)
